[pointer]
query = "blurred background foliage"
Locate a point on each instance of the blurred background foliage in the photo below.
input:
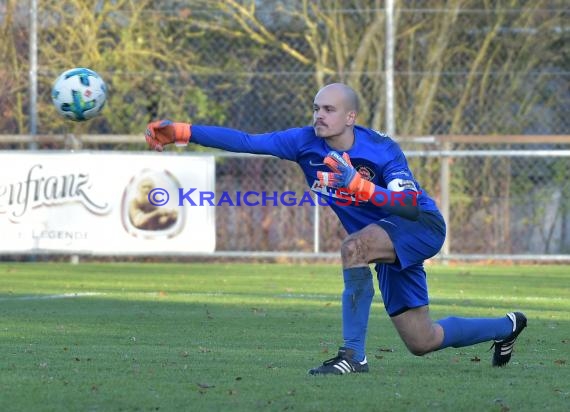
(461, 66)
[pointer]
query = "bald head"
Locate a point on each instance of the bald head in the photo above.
(147, 182)
(345, 93)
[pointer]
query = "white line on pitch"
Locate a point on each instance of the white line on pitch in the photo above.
(47, 297)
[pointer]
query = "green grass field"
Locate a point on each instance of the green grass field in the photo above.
(241, 337)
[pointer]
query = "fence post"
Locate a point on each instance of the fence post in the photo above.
(316, 226)
(33, 73)
(445, 194)
(390, 50)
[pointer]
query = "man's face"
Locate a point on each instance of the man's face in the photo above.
(145, 187)
(330, 114)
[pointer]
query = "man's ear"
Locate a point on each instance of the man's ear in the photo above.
(351, 118)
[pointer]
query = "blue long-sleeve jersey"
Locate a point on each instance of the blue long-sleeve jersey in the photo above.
(375, 156)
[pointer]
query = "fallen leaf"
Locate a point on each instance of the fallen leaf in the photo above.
(259, 311)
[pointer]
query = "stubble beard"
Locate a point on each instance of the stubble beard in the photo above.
(321, 131)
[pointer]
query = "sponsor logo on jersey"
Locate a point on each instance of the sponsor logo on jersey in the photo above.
(365, 172)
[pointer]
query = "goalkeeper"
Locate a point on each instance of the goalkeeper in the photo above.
(395, 225)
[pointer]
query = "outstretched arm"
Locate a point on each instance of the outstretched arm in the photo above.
(282, 144)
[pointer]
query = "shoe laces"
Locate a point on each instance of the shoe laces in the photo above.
(336, 359)
(501, 342)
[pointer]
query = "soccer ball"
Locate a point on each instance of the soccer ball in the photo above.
(79, 94)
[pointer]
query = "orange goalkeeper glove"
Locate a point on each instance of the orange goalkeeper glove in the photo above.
(163, 132)
(345, 176)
